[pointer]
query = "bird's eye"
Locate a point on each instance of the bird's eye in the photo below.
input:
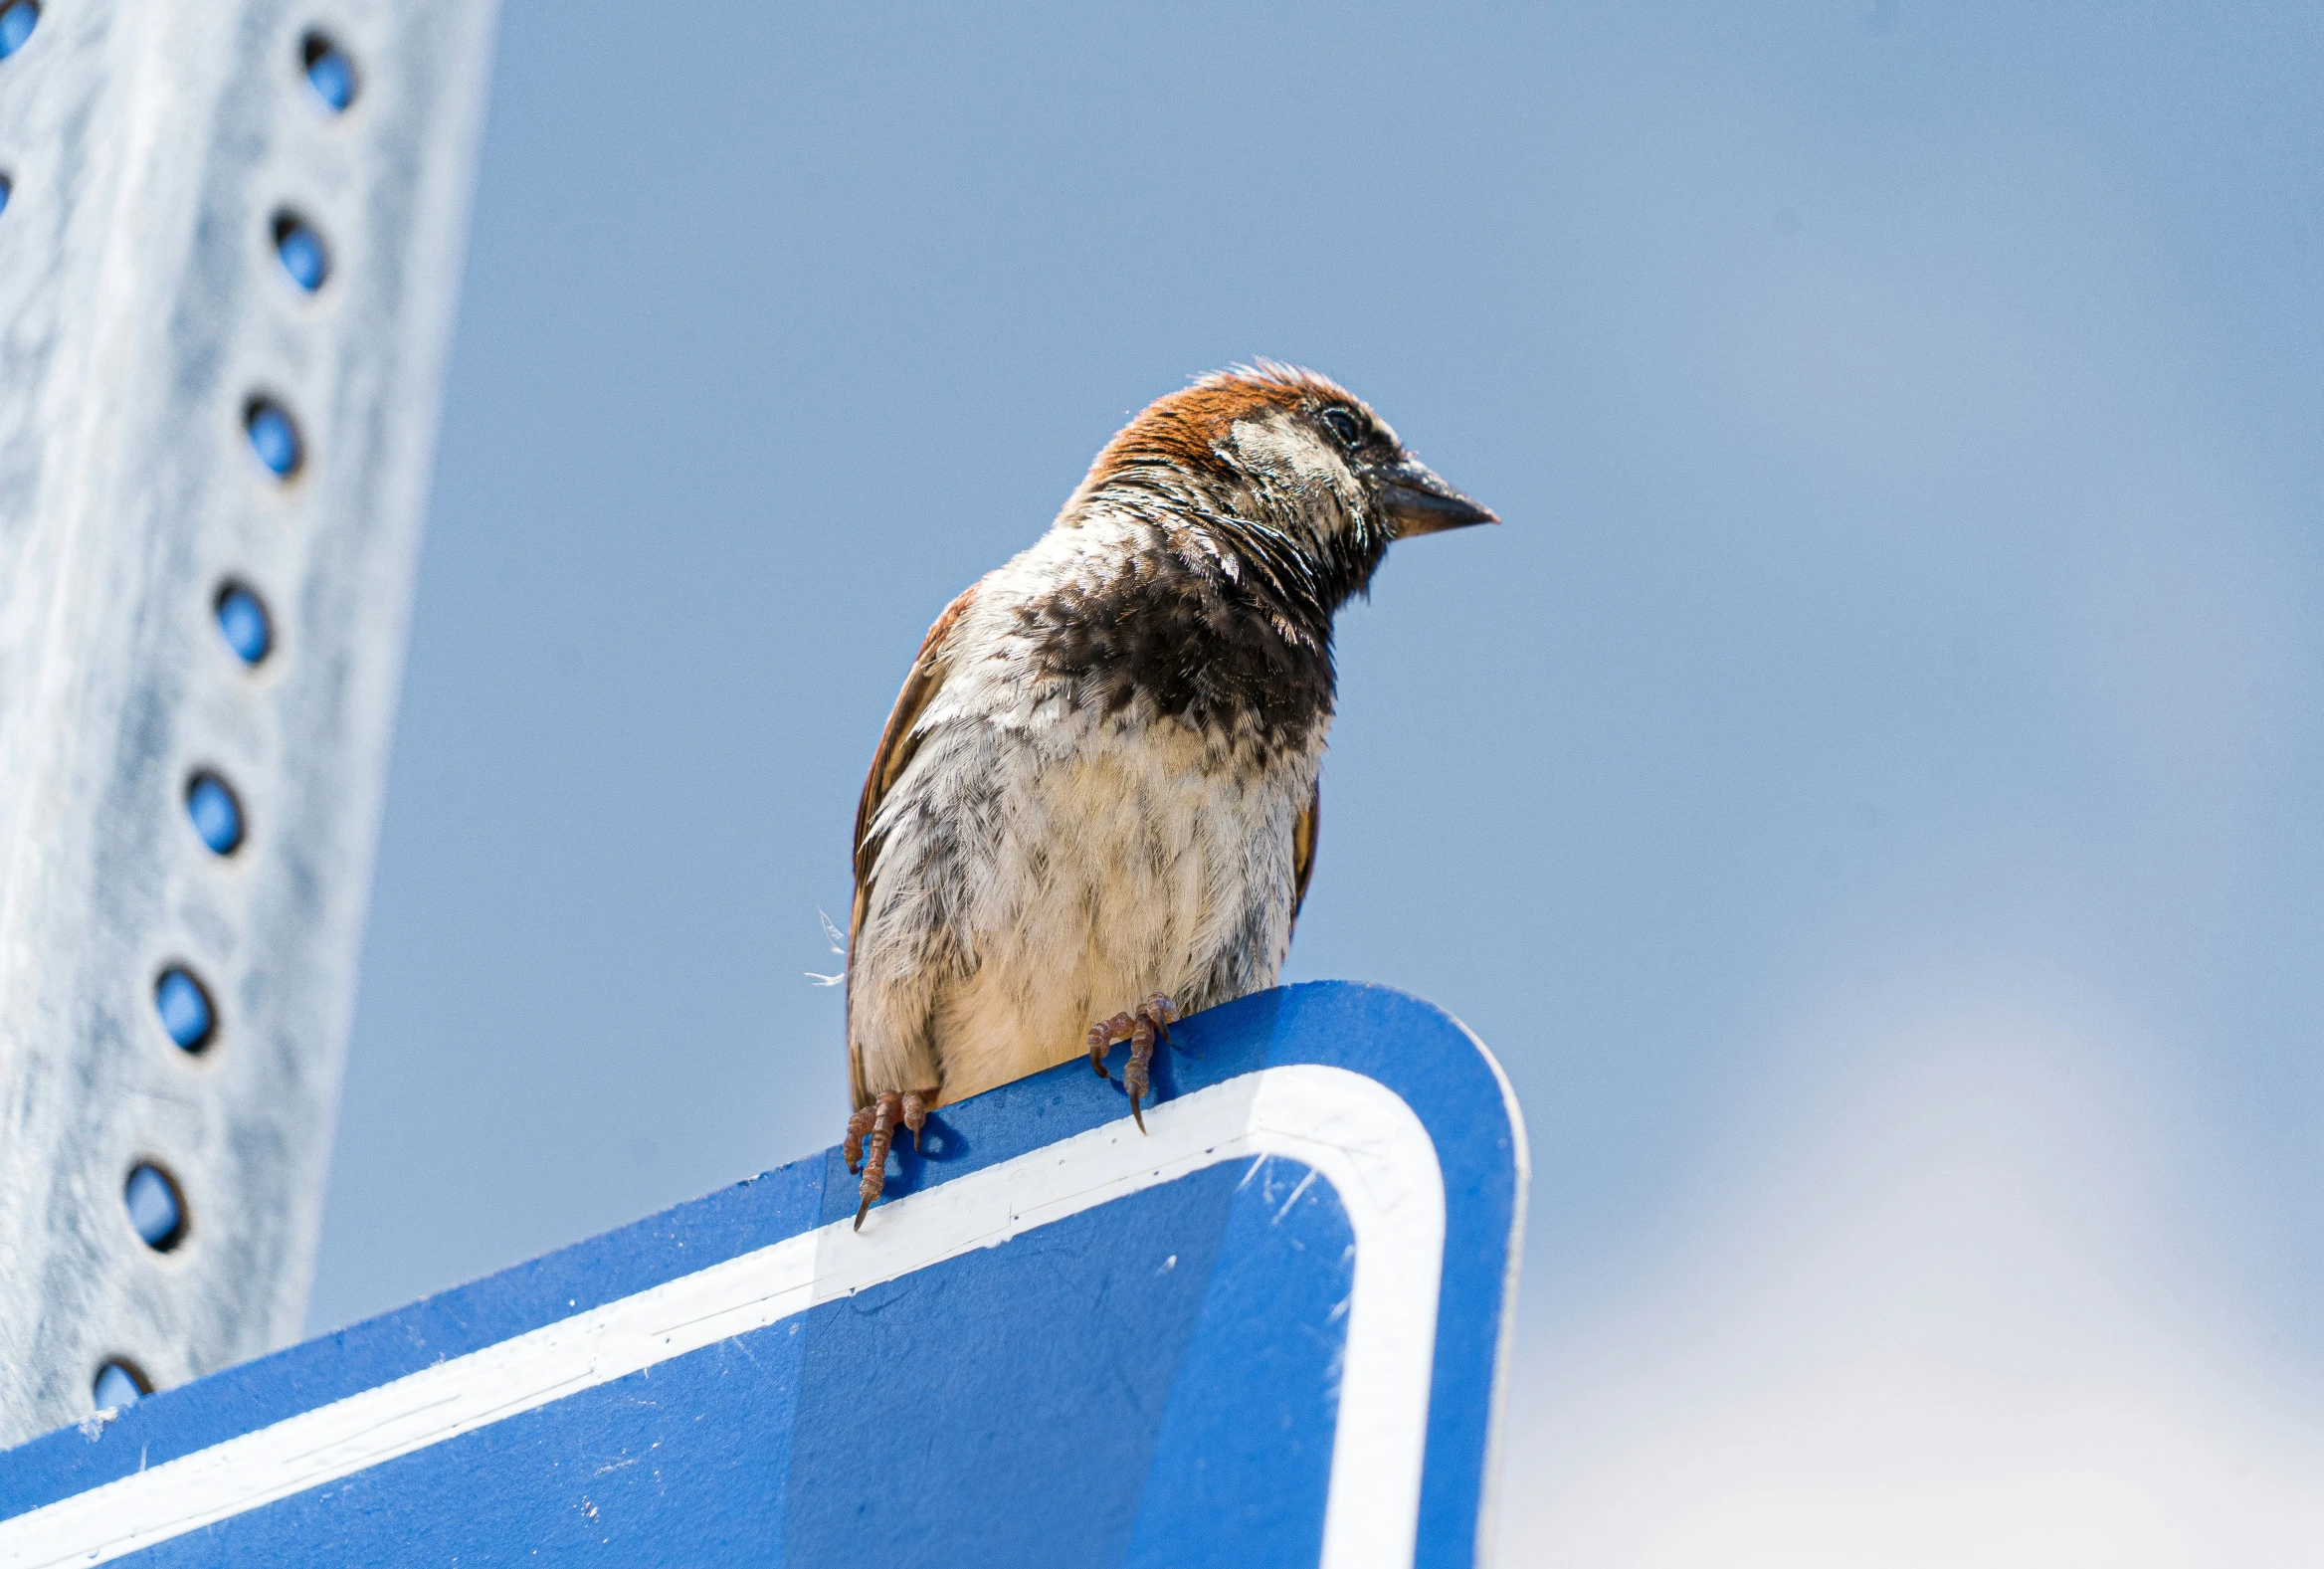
(1344, 425)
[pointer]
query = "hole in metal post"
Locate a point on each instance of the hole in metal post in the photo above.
(16, 24)
(301, 251)
(273, 437)
(244, 623)
(156, 1209)
(184, 1006)
(119, 1384)
(329, 70)
(216, 815)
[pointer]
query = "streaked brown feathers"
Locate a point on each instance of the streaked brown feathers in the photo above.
(897, 743)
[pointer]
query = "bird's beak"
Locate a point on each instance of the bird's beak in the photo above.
(1419, 502)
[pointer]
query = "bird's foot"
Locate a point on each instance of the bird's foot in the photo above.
(1139, 1027)
(878, 1120)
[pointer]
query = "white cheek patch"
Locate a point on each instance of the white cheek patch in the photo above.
(1275, 448)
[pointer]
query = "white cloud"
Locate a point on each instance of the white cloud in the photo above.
(1942, 1327)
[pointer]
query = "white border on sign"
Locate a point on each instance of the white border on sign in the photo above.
(1364, 1140)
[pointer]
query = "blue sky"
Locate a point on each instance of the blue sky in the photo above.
(1867, 794)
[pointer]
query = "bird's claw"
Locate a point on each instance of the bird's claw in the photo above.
(1140, 1026)
(877, 1121)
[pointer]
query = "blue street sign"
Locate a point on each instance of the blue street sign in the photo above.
(1267, 1332)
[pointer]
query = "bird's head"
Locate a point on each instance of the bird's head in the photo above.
(1287, 469)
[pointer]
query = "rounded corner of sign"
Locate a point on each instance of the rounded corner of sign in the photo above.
(1520, 1148)
(1417, 1010)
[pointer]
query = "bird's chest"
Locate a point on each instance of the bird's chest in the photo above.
(1135, 842)
(1121, 860)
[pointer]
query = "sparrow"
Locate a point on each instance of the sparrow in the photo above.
(1096, 798)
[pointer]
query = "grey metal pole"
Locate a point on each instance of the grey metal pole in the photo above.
(228, 259)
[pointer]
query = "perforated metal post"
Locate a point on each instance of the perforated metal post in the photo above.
(228, 256)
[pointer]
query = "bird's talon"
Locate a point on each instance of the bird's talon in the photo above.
(1149, 1020)
(1102, 1035)
(852, 1147)
(871, 1134)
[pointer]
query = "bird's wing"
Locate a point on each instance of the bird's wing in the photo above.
(898, 743)
(1304, 827)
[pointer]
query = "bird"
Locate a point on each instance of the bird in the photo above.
(1094, 809)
